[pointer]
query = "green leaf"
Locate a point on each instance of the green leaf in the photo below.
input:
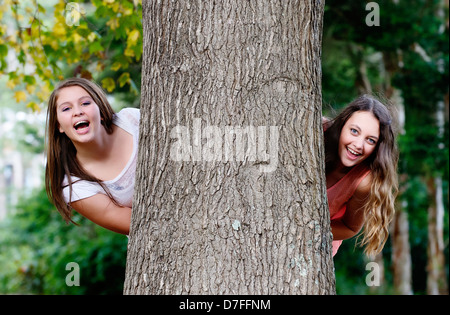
(3, 50)
(95, 47)
(29, 79)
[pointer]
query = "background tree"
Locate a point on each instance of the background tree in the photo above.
(220, 225)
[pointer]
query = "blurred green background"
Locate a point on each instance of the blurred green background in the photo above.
(402, 57)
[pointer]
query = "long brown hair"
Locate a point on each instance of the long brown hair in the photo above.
(379, 209)
(61, 153)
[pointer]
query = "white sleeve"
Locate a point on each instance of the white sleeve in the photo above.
(81, 189)
(128, 119)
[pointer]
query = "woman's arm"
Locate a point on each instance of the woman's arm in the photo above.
(353, 220)
(102, 211)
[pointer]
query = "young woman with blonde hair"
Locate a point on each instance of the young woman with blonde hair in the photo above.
(91, 155)
(361, 172)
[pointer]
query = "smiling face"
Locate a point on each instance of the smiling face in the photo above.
(77, 114)
(359, 138)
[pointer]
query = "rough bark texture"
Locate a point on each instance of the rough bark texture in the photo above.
(218, 222)
(436, 275)
(401, 254)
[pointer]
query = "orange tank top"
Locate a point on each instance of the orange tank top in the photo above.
(341, 192)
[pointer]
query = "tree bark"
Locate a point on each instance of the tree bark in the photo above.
(401, 253)
(230, 194)
(436, 275)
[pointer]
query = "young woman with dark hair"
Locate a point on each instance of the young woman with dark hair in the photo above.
(91, 155)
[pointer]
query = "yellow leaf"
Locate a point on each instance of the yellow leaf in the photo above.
(31, 89)
(77, 38)
(113, 24)
(116, 66)
(48, 73)
(92, 37)
(43, 92)
(124, 79)
(99, 67)
(35, 107)
(129, 52)
(108, 84)
(11, 84)
(133, 37)
(59, 30)
(20, 96)
(127, 12)
(115, 6)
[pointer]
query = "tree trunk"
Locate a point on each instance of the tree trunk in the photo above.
(357, 56)
(401, 253)
(436, 276)
(230, 194)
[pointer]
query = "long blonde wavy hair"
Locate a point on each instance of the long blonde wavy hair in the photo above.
(379, 209)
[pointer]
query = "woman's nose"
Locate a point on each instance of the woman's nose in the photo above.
(359, 143)
(78, 111)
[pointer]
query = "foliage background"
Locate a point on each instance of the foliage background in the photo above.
(44, 42)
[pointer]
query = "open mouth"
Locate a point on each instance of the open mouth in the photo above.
(81, 125)
(353, 154)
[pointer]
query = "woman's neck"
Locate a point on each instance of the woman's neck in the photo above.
(96, 150)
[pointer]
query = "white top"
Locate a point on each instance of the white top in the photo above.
(121, 187)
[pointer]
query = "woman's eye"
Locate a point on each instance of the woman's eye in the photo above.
(86, 103)
(65, 109)
(353, 131)
(371, 141)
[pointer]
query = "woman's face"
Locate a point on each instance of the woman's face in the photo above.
(77, 114)
(359, 137)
